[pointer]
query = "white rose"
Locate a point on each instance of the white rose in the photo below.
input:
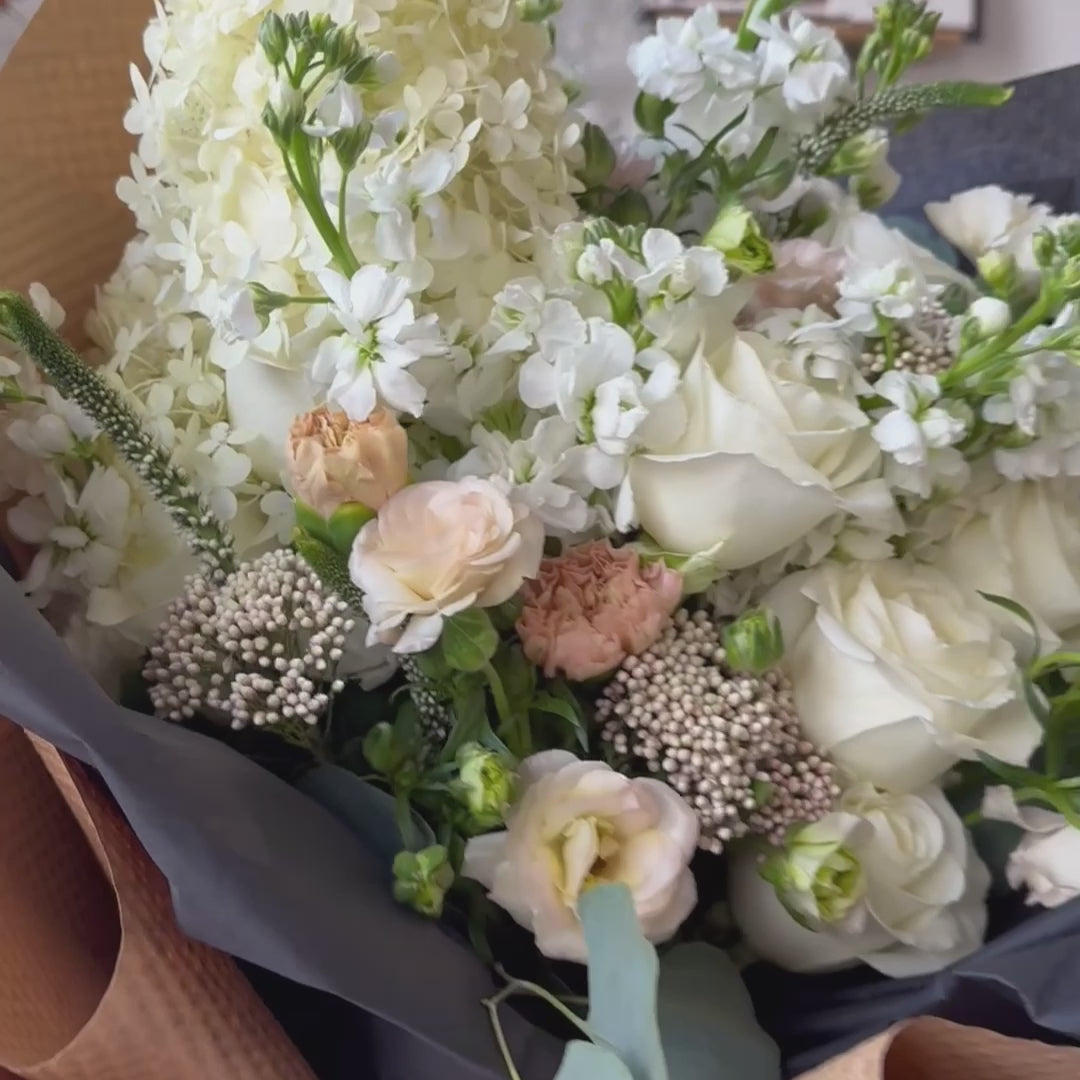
(1047, 861)
(898, 673)
(763, 460)
(263, 402)
(1024, 544)
(578, 824)
(991, 219)
(917, 889)
(436, 549)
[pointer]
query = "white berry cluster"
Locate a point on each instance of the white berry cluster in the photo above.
(729, 743)
(262, 648)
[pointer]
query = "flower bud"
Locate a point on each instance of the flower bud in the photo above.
(754, 642)
(816, 877)
(1045, 247)
(350, 143)
(990, 315)
(630, 208)
(274, 39)
(333, 460)
(484, 787)
(736, 234)
(422, 878)
(859, 154)
(286, 106)
(599, 157)
(651, 114)
(266, 301)
(538, 10)
(999, 271)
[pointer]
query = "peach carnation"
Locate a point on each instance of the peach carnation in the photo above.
(593, 606)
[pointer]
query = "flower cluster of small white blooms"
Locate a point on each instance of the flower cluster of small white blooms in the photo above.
(923, 345)
(870, 294)
(796, 74)
(262, 649)
(919, 435)
(470, 129)
(729, 743)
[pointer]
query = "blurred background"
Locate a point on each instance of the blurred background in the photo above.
(989, 40)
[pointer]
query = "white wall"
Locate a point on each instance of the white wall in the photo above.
(1019, 37)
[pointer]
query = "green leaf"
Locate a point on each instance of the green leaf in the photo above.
(623, 979)
(518, 677)
(587, 1061)
(564, 705)
(344, 524)
(365, 809)
(1020, 612)
(312, 522)
(470, 720)
(707, 1020)
(1015, 776)
(469, 640)
(1053, 662)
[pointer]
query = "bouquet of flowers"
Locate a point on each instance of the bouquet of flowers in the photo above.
(644, 546)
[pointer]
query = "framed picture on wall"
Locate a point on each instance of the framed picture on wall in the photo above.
(959, 18)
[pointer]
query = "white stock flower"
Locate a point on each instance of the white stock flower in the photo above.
(671, 63)
(577, 824)
(1047, 860)
(436, 549)
(763, 460)
(339, 110)
(869, 294)
(543, 472)
(382, 338)
(898, 672)
(1022, 541)
(918, 436)
(917, 906)
(991, 219)
(808, 61)
(57, 429)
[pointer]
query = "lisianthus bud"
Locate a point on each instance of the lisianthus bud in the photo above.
(599, 156)
(815, 876)
(991, 315)
(999, 271)
(651, 114)
(754, 642)
(538, 10)
(736, 234)
(421, 879)
(333, 460)
(484, 787)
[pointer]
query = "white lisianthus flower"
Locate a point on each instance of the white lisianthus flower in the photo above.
(577, 824)
(1022, 541)
(898, 672)
(382, 338)
(919, 436)
(436, 549)
(991, 219)
(889, 880)
(762, 461)
(1047, 860)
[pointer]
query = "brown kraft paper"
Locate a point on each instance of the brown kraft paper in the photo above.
(96, 980)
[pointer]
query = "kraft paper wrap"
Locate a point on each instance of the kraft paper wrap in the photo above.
(63, 94)
(930, 1049)
(96, 981)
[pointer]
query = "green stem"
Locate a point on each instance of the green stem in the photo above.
(343, 187)
(974, 361)
(512, 728)
(492, 1007)
(307, 183)
(523, 986)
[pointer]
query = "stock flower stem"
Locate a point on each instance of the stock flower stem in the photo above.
(307, 184)
(972, 364)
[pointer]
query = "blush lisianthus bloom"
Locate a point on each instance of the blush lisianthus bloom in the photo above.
(806, 273)
(891, 880)
(591, 607)
(334, 460)
(436, 549)
(898, 673)
(577, 824)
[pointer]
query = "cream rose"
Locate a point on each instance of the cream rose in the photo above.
(436, 549)
(764, 459)
(898, 673)
(577, 824)
(1047, 860)
(901, 890)
(1023, 543)
(333, 460)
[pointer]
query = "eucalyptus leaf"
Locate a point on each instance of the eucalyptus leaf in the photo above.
(587, 1061)
(707, 1020)
(469, 640)
(623, 979)
(365, 809)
